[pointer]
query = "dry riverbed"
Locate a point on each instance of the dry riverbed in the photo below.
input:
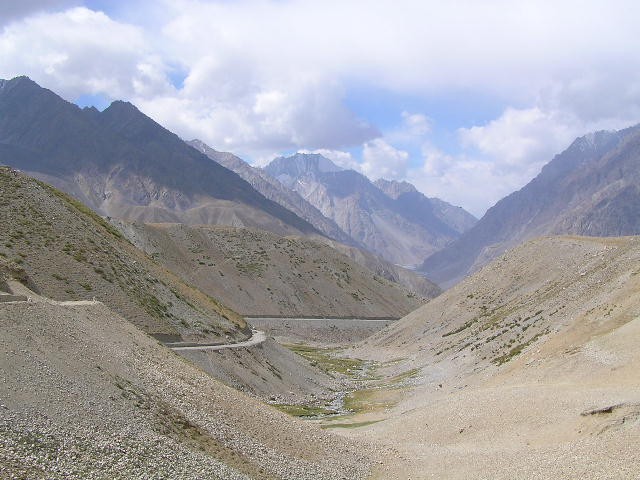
(368, 389)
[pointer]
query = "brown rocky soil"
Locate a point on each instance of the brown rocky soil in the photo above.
(70, 253)
(528, 369)
(260, 273)
(85, 394)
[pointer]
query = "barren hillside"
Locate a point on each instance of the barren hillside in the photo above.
(85, 394)
(70, 253)
(66, 252)
(527, 369)
(259, 273)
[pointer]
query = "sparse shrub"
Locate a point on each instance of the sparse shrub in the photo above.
(79, 256)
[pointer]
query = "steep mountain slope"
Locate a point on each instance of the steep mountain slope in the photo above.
(390, 227)
(423, 209)
(527, 369)
(262, 274)
(70, 253)
(122, 164)
(65, 252)
(85, 394)
(274, 190)
(409, 279)
(592, 188)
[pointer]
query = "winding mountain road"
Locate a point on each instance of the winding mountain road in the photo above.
(257, 337)
(20, 293)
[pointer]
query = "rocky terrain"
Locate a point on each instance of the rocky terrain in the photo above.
(274, 190)
(527, 369)
(409, 279)
(592, 188)
(66, 252)
(70, 253)
(85, 394)
(263, 274)
(402, 228)
(122, 164)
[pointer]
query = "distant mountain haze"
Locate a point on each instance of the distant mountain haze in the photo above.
(276, 191)
(592, 188)
(123, 164)
(336, 237)
(392, 220)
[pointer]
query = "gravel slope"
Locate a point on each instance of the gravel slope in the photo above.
(528, 369)
(85, 394)
(260, 273)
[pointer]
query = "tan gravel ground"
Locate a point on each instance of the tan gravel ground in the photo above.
(85, 394)
(495, 401)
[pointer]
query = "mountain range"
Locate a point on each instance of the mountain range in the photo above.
(123, 164)
(117, 360)
(274, 190)
(335, 237)
(592, 188)
(390, 219)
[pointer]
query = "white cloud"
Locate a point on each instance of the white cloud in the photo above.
(265, 76)
(498, 157)
(260, 119)
(416, 124)
(521, 139)
(471, 182)
(381, 160)
(80, 51)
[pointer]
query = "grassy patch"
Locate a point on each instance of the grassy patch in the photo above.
(326, 359)
(404, 376)
(304, 410)
(517, 350)
(461, 328)
(371, 400)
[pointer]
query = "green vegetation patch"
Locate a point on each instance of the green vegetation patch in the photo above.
(304, 410)
(517, 350)
(370, 400)
(461, 328)
(404, 376)
(327, 360)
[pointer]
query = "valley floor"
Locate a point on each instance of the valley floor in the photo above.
(399, 406)
(568, 414)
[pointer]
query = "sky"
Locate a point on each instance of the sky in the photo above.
(467, 100)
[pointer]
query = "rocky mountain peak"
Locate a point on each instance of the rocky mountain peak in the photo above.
(21, 80)
(200, 146)
(393, 188)
(126, 165)
(592, 188)
(288, 169)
